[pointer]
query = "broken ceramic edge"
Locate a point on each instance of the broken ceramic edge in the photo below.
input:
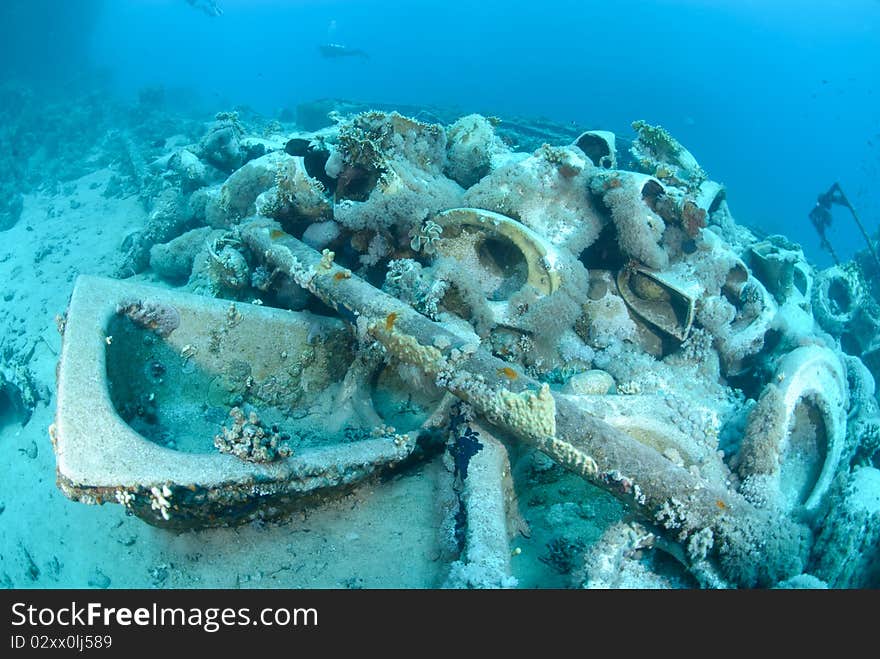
(813, 376)
(709, 196)
(744, 337)
(783, 270)
(541, 256)
(735, 280)
(650, 187)
(658, 299)
(603, 287)
(101, 458)
(313, 149)
(263, 145)
(235, 502)
(599, 146)
(302, 142)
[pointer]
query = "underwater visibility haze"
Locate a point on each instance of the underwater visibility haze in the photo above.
(535, 295)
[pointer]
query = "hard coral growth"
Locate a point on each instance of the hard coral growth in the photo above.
(250, 439)
(548, 192)
(221, 145)
(847, 550)
(639, 229)
(161, 318)
(221, 268)
(372, 139)
(661, 155)
(750, 556)
(473, 150)
(405, 197)
(389, 172)
(241, 190)
(295, 198)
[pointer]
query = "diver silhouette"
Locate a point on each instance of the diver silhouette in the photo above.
(820, 216)
(209, 7)
(334, 50)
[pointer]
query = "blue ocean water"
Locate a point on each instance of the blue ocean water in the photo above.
(777, 100)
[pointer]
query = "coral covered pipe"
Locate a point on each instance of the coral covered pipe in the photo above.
(667, 495)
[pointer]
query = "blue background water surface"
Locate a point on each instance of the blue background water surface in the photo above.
(776, 98)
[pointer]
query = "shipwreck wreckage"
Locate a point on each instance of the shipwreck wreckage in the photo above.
(355, 293)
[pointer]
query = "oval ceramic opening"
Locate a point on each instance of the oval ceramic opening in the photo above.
(716, 201)
(596, 149)
(800, 281)
(839, 297)
(804, 456)
(505, 261)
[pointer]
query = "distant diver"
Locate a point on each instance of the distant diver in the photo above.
(208, 6)
(820, 216)
(334, 50)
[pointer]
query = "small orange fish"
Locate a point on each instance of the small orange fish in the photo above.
(508, 372)
(390, 320)
(342, 274)
(721, 505)
(275, 234)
